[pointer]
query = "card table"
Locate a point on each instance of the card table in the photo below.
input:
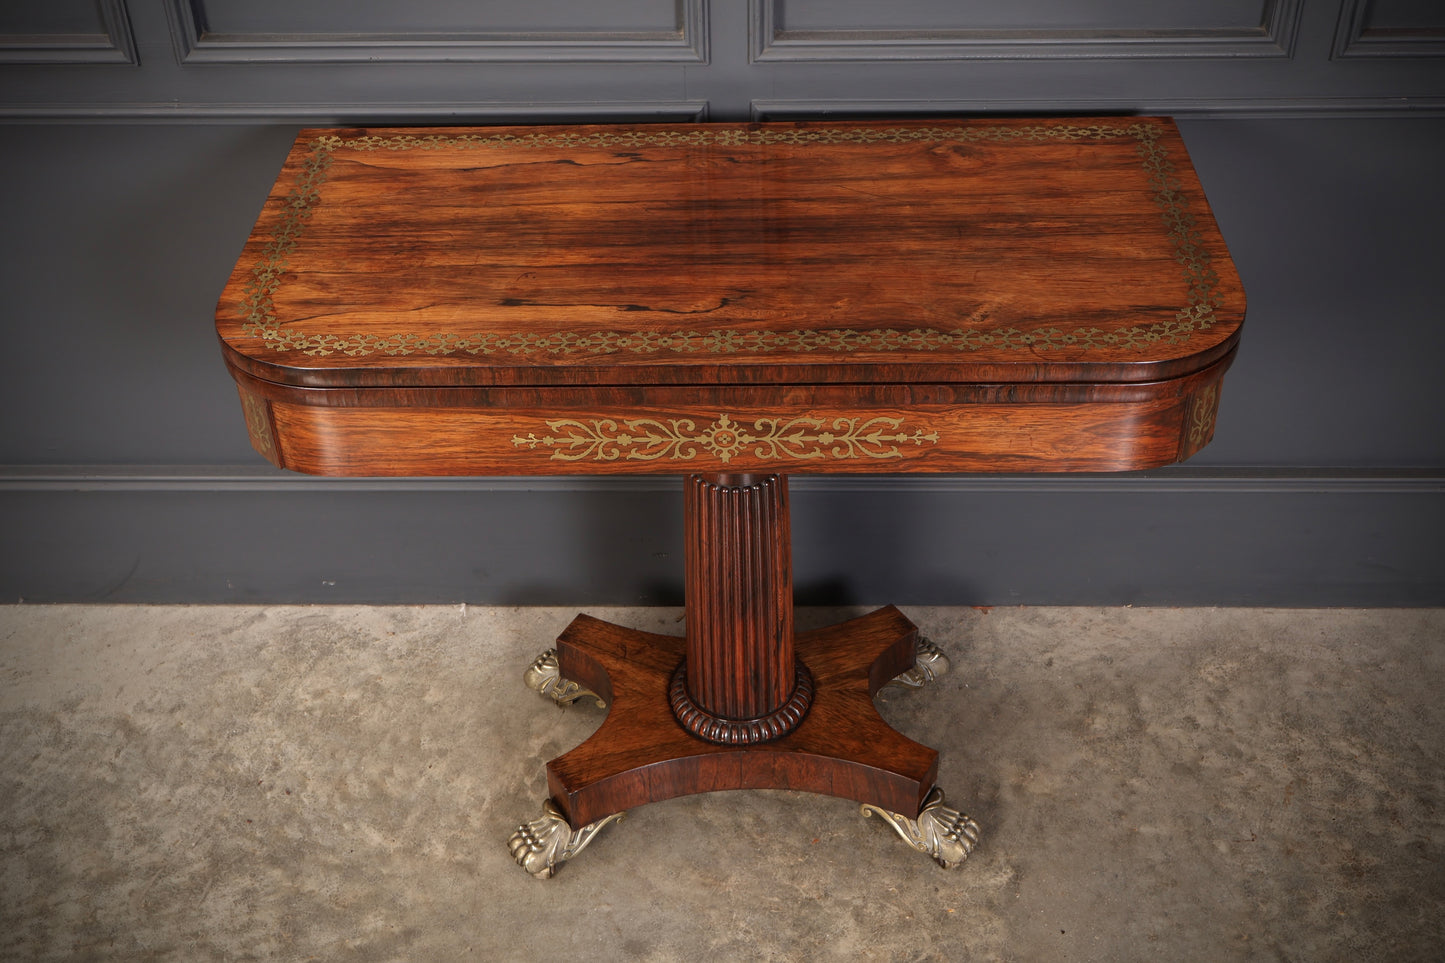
(734, 303)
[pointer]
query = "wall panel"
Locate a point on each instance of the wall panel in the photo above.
(66, 31)
(125, 473)
(1391, 28)
(374, 31)
(944, 30)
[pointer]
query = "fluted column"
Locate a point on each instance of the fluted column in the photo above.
(740, 682)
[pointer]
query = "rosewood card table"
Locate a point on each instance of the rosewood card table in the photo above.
(733, 303)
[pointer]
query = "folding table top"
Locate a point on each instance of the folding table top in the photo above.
(698, 262)
(992, 250)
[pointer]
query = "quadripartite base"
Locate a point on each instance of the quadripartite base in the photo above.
(640, 754)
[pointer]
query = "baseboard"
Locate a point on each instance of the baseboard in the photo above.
(1299, 537)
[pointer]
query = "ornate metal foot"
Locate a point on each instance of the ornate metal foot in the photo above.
(939, 831)
(928, 666)
(541, 845)
(545, 676)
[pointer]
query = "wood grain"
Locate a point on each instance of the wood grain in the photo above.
(739, 594)
(732, 303)
(918, 428)
(990, 250)
(639, 754)
(993, 295)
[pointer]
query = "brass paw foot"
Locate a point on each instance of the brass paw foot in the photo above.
(544, 675)
(939, 831)
(546, 842)
(929, 664)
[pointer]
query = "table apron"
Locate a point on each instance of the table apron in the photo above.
(1143, 430)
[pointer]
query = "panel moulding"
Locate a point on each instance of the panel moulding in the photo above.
(1199, 107)
(1356, 39)
(1273, 37)
(112, 44)
(687, 43)
(371, 113)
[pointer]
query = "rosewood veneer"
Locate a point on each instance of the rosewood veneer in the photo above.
(734, 303)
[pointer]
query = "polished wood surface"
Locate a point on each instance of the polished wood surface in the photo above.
(796, 429)
(639, 754)
(991, 295)
(735, 302)
(739, 606)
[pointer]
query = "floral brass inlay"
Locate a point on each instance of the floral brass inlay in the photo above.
(258, 425)
(1201, 416)
(849, 340)
(771, 439)
(257, 306)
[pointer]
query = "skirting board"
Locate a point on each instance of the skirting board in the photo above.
(1199, 537)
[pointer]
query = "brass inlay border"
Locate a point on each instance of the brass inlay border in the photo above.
(257, 307)
(679, 439)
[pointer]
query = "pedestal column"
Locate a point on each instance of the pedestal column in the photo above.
(740, 681)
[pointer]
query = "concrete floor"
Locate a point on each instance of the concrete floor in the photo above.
(192, 784)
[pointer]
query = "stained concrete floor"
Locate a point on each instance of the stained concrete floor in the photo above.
(193, 784)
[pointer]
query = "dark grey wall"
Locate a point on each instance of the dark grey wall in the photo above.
(138, 139)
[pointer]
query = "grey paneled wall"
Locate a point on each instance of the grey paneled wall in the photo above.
(241, 31)
(919, 29)
(65, 31)
(138, 138)
(1391, 28)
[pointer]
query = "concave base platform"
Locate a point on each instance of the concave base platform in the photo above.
(640, 753)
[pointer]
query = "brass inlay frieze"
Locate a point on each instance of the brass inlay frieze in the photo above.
(258, 424)
(679, 439)
(258, 312)
(1202, 413)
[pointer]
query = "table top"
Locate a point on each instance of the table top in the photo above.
(689, 268)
